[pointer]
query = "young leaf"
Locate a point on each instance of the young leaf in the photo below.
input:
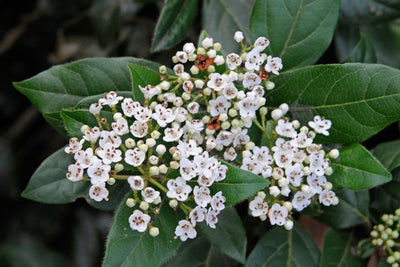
(229, 236)
(300, 31)
(359, 99)
(224, 17)
(175, 20)
(67, 85)
(142, 76)
(363, 52)
(239, 184)
(388, 154)
(352, 210)
(279, 247)
(126, 247)
(337, 250)
(357, 169)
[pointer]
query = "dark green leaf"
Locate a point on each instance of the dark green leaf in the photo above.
(299, 31)
(175, 20)
(222, 18)
(49, 185)
(363, 52)
(65, 86)
(239, 184)
(126, 247)
(229, 236)
(352, 210)
(199, 252)
(365, 248)
(279, 247)
(359, 99)
(358, 169)
(337, 250)
(75, 119)
(388, 154)
(387, 197)
(142, 76)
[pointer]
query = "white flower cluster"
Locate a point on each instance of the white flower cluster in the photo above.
(296, 167)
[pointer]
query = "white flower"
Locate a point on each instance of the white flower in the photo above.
(162, 115)
(189, 148)
(201, 196)
(294, 174)
(182, 56)
(205, 181)
(219, 105)
(220, 172)
(95, 109)
(261, 43)
(75, 172)
(181, 114)
(217, 81)
(217, 201)
(179, 69)
(251, 164)
(211, 217)
(189, 48)
(109, 137)
(110, 99)
(149, 91)
(134, 157)
(274, 65)
(187, 169)
(92, 135)
(316, 183)
(207, 42)
(185, 230)
(320, 125)
(139, 221)
(285, 128)
(98, 192)
(274, 191)
(139, 129)
(129, 106)
(120, 127)
(198, 214)
(233, 61)
(172, 134)
(301, 140)
(224, 138)
(263, 155)
(277, 214)
(193, 107)
(230, 91)
(194, 126)
(98, 172)
(241, 138)
(248, 107)
(188, 86)
(74, 145)
(177, 188)
(142, 114)
(283, 158)
(258, 207)
(301, 200)
(136, 182)
(250, 80)
(327, 197)
(259, 91)
(318, 164)
(254, 60)
(238, 36)
(84, 158)
(108, 153)
(149, 194)
(230, 154)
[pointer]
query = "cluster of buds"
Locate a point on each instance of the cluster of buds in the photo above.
(167, 148)
(385, 236)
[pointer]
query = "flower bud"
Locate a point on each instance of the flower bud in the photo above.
(164, 85)
(328, 186)
(250, 145)
(328, 171)
(192, 57)
(163, 169)
(175, 59)
(223, 117)
(194, 70)
(130, 202)
(246, 154)
(157, 201)
(263, 217)
(217, 46)
(263, 111)
(288, 205)
(173, 203)
(334, 153)
(276, 114)
(219, 60)
(211, 69)
(288, 224)
(261, 194)
(155, 134)
(154, 231)
(238, 36)
(143, 147)
(111, 181)
(270, 85)
(284, 107)
(153, 160)
(161, 149)
(118, 167)
(207, 91)
(130, 143)
(144, 205)
(84, 128)
(162, 69)
(174, 165)
(274, 191)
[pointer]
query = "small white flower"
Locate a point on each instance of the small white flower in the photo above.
(250, 80)
(198, 214)
(274, 191)
(185, 230)
(75, 172)
(277, 214)
(92, 135)
(261, 43)
(294, 174)
(134, 157)
(177, 188)
(188, 86)
(274, 65)
(251, 164)
(74, 145)
(136, 182)
(95, 109)
(248, 107)
(263, 155)
(316, 183)
(182, 56)
(85, 158)
(108, 153)
(230, 154)
(189, 148)
(220, 172)
(320, 125)
(217, 81)
(211, 218)
(150, 90)
(301, 200)
(162, 115)
(187, 169)
(258, 207)
(233, 61)
(219, 105)
(301, 140)
(181, 114)
(194, 126)
(172, 134)
(285, 128)
(230, 91)
(318, 164)
(129, 106)
(283, 158)
(254, 60)
(207, 42)
(238, 36)
(120, 127)
(205, 181)
(224, 138)
(327, 197)
(110, 99)
(259, 91)
(109, 137)
(193, 107)
(98, 172)
(242, 138)
(142, 114)
(149, 194)
(98, 192)
(217, 201)
(189, 48)
(139, 221)
(139, 129)
(201, 196)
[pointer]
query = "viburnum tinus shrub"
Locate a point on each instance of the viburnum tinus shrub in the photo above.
(173, 148)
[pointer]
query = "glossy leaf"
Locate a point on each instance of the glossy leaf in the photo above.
(388, 154)
(359, 99)
(357, 169)
(222, 18)
(75, 119)
(337, 250)
(229, 236)
(66, 86)
(199, 252)
(279, 247)
(363, 52)
(387, 197)
(126, 247)
(299, 31)
(352, 210)
(175, 20)
(142, 76)
(239, 184)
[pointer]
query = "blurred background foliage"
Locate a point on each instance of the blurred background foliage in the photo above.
(34, 35)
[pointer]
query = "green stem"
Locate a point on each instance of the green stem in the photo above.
(160, 186)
